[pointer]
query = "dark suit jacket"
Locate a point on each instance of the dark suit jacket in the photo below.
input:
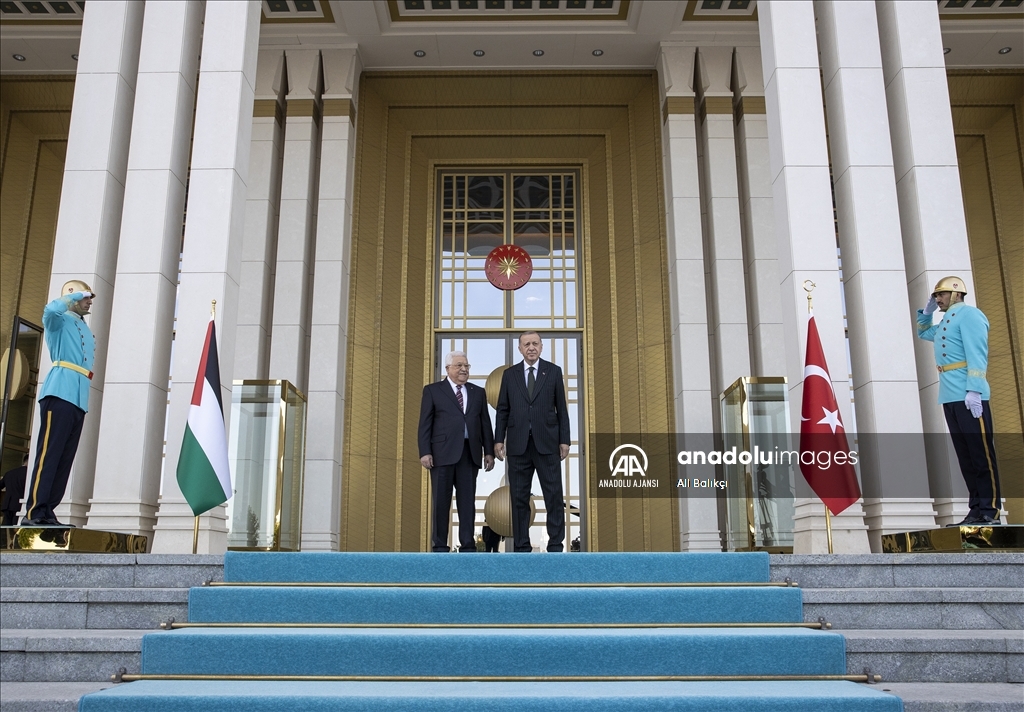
(546, 414)
(14, 488)
(443, 424)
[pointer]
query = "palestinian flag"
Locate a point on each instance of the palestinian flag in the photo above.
(203, 473)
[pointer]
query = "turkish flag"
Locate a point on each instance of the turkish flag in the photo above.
(824, 451)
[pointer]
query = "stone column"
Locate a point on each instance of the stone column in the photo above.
(757, 222)
(211, 263)
(262, 214)
(92, 194)
(720, 208)
(931, 208)
(805, 239)
(892, 463)
(321, 503)
(129, 456)
(289, 348)
(691, 358)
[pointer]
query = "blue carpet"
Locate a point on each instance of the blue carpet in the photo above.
(242, 566)
(494, 605)
(494, 652)
(204, 696)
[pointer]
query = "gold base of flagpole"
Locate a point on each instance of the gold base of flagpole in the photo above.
(195, 539)
(828, 529)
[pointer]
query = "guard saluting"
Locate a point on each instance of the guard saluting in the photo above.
(63, 400)
(961, 356)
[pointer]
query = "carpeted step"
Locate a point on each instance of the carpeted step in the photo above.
(261, 567)
(267, 696)
(494, 652)
(495, 605)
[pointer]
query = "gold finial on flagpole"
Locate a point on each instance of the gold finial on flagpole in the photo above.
(809, 290)
(213, 308)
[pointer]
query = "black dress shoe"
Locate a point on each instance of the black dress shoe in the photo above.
(26, 522)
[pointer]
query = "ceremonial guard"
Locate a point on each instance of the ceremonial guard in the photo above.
(63, 400)
(961, 356)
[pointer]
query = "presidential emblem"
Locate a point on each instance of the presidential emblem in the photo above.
(508, 267)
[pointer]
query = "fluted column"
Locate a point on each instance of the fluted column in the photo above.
(931, 208)
(892, 460)
(691, 358)
(321, 503)
(211, 263)
(262, 213)
(129, 455)
(720, 212)
(92, 194)
(757, 222)
(805, 238)
(289, 346)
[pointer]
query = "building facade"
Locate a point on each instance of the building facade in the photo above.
(333, 175)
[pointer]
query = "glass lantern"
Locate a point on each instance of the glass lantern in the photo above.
(266, 449)
(759, 509)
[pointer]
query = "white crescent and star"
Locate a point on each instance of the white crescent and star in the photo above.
(831, 416)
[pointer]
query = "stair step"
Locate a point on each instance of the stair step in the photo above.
(90, 608)
(270, 696)
(971, 570)
(56, 570)
(958, 696)
(566, 604)
(306, 567)
(54, 655)
(937, 655)
(494, 652)
(934, 608)
(47, 696)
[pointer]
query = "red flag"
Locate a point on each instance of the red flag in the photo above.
(824, 452)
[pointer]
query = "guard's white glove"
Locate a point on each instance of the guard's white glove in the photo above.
(931, 306)
(973, 402)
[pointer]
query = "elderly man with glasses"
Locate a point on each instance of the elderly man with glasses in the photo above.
(455, 438)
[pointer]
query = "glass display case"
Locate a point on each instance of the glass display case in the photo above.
(19, 371)
(266, 449)
(761, 487)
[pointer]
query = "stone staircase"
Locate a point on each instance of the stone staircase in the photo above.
(945, 632)
(69, 621)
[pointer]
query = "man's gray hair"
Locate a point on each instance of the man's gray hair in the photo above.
(527, 333)
(451, 357)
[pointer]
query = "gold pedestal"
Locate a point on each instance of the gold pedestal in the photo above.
(70, 539)
(956, 540)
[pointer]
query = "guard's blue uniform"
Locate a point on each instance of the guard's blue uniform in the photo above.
(961, 355)
(63, 402)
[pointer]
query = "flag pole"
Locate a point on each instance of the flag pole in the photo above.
(195, 537)
(809, 287)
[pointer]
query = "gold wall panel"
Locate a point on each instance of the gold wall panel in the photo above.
(605, 124)
(988, 116)
(35, 113)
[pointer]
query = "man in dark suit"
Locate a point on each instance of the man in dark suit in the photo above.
(455, 429)
(532, 428)
(13, 486)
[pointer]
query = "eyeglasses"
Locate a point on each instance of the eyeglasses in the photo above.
(460, 366)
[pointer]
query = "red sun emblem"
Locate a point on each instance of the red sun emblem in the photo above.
(508, 267)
